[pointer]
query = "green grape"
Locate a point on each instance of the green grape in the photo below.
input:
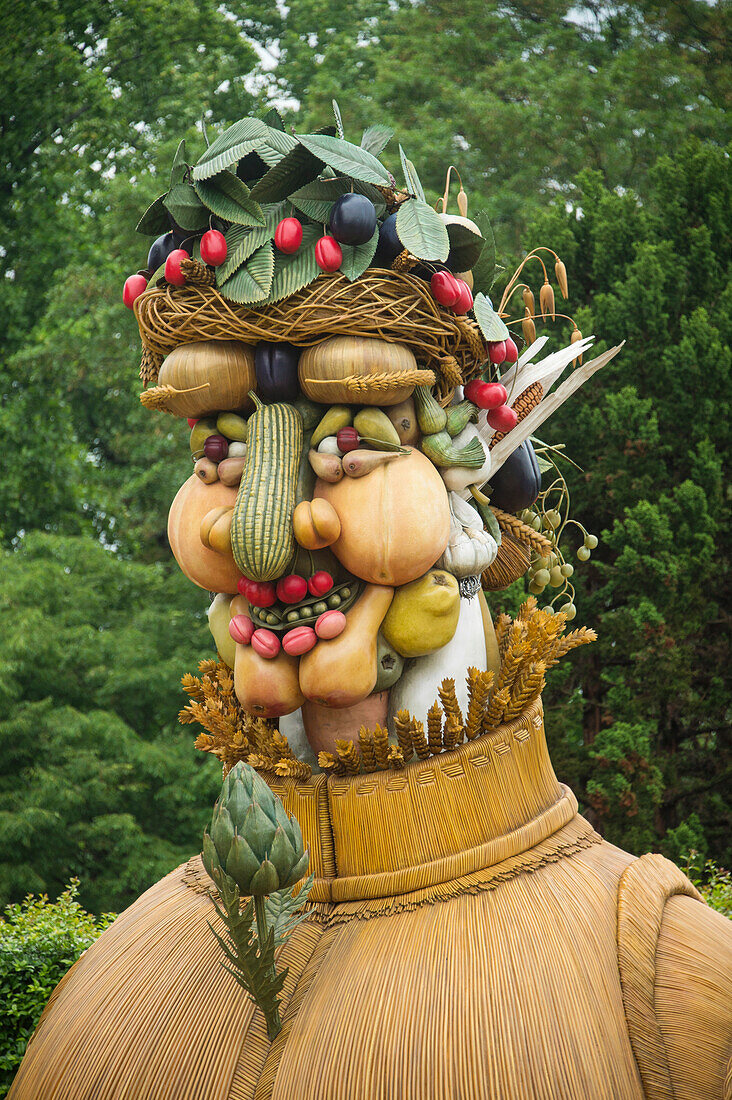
(553, 518)
(566, 570)
(536, 523)
(569, 610)
(535, 589)
(583, 554)
(543, 563)
(555, 577)
(549, 609)
(553, 559)
(591, 542)
(541, 576)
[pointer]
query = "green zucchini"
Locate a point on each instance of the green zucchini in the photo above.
(262, 538)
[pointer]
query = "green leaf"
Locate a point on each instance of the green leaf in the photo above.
(298, 269)
(422, 231)
(224, 160)
(339, 120)
(275, 146)
(411, 179)
(285, 910)
(357, 257)
(243, 131)
(273, 119)
(344, 157)
(243, 240)
(485, 269)
(186, 207)
(252, 283)
(295, 169)
(155, 220)
(316, 199)
(489, 323)
(376, 138)
(178, 169)
(465, 246)
(229, 198)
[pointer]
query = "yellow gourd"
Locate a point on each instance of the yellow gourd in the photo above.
(209, 569)
(209, 376)
(341, 672)
(395, 522)
(266, 686)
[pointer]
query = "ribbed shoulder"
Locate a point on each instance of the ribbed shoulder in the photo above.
(644, 890)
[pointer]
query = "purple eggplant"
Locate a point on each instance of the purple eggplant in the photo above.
(275, 366)
(517, 483)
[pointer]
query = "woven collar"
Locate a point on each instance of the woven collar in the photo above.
(440, 819)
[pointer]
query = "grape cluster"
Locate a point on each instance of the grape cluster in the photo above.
(553, 571)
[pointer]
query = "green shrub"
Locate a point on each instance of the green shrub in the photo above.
(39, 941)
(713, 882)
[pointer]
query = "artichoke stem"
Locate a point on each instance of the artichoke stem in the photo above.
(274, 1023)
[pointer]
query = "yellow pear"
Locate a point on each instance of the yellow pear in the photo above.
(423, 615)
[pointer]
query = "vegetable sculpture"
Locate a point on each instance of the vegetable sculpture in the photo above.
(361, 423)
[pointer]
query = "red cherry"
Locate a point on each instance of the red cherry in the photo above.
(265, 643)
(135, 285)
(292, 589)
(259, 593)
(328, 254)
(445, 288)
(213, 248)
(492, 396)
(347, 439)
(497, 351)
(465, 301)
(511, 350)
(502, 419)
(216, 447)
(192, 422)
(288, 235)
(241, 629)
(472, 389)
(173, 273)
(320, 583)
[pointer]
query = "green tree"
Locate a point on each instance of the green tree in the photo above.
(98, 780)
(651, 432)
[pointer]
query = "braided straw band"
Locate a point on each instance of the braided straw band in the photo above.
(392, 306)
(522, 532)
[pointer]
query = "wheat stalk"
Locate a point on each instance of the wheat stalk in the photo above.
(379, 382)
(348, 756)
(403, 728)
(381, 746)
(522, 532)
(448, 698)
(366, 745)
(479, 686)
(419, 740)
(434, 728)
(157, 397)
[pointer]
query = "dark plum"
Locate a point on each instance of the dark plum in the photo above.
(389, 245)
(160, 249)
(353, 219)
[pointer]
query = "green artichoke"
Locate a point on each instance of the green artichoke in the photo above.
(251, 837)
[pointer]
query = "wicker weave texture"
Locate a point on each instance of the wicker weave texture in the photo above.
(393, 306)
